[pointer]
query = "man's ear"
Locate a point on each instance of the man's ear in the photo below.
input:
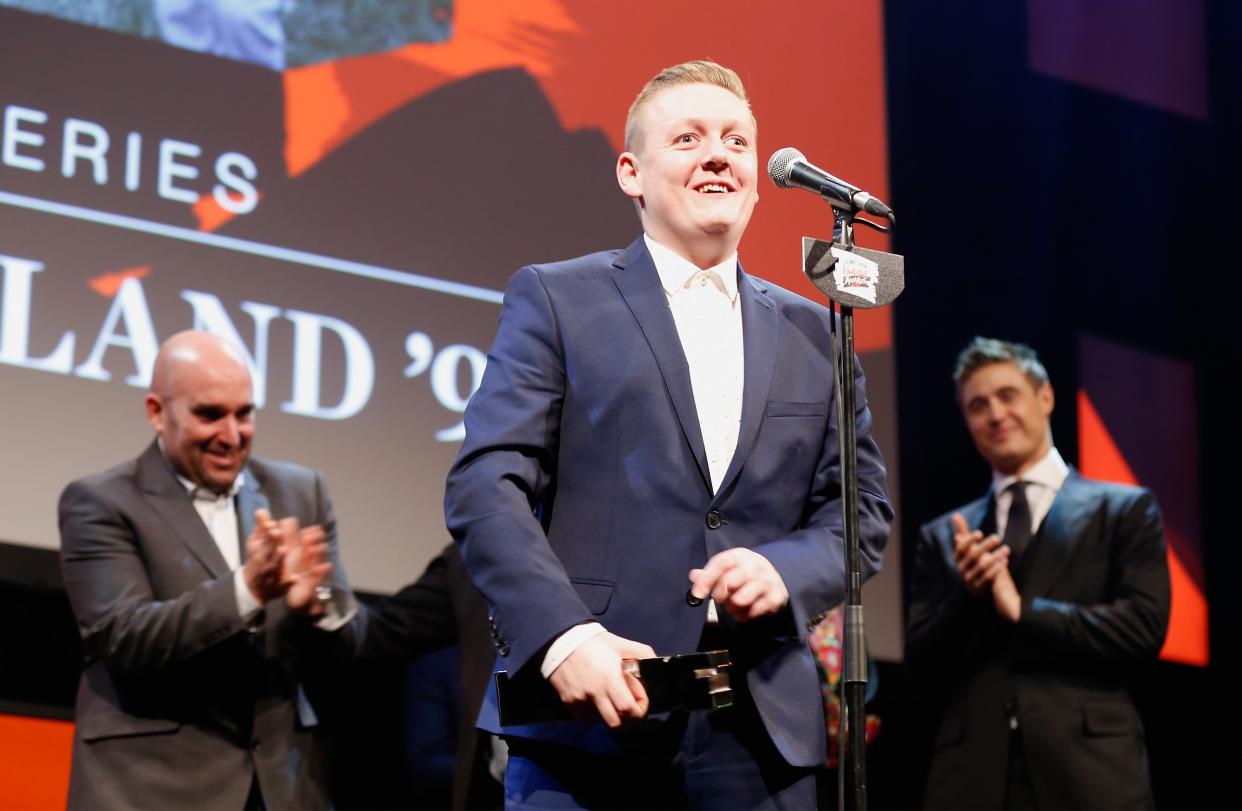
(155, 412)
(627, 175)
(1047, 398)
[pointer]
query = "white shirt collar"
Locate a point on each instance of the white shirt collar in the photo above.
(675, 270)
(1050, 472)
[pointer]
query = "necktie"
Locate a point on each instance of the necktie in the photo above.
(1018, 525)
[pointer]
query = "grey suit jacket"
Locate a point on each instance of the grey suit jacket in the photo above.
(1095, 602)
(182, 702)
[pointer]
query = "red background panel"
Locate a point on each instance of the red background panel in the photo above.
(34, 763)
(591, 59)
(1100, 458)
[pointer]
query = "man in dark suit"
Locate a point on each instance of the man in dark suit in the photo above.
(199, 650)
(655, 428)
(1032, 604)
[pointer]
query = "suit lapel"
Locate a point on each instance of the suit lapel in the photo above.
(636, 278)
(249, 498)
(170, 501)
(760, 324)
(1054, 544)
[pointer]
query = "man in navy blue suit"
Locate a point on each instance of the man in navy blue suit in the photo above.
(651, 467)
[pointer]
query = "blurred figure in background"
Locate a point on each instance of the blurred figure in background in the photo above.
(1032, 603)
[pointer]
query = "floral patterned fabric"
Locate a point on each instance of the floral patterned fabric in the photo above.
(825, 643)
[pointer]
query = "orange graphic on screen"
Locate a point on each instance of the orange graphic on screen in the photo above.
(107, 284)
(1187, 638)
(590, 59)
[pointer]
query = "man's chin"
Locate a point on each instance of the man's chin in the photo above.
(1006, 463)
(220, 480)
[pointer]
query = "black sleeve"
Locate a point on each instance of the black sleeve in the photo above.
(416, 619)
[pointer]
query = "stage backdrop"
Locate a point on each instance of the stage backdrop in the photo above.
(345, 195)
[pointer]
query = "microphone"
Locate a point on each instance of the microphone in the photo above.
(790, 169)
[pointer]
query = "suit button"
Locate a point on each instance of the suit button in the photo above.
(714, 520)
(503, 650)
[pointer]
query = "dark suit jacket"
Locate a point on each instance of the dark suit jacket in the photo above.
(181, 702)
(441, 608)
(1095, 601)
(586, 415)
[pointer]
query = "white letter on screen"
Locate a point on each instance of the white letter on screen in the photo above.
(235, 171)
(74, 150)
(133, 160)
(307, 355)
(130, 305)
(14, 135)
(170, 150)
(444, 384)
(15, 331)
(209, 315)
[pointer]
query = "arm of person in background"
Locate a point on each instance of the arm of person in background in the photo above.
(1131, 622)
(417, 619)
(951, 600)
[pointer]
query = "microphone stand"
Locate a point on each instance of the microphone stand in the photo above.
(886, 275)
(852, 744)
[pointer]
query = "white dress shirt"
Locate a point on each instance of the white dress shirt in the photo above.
(1043, 482)
(708, 316)
(219, 514)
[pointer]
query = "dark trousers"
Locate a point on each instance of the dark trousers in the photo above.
(1019, 792)
(698, 759)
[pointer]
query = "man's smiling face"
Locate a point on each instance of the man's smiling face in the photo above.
(202, 406)
(1007, 416)
(693, 168)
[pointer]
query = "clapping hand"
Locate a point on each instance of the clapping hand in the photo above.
(285, 559)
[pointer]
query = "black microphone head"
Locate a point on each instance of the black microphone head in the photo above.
(779, 165)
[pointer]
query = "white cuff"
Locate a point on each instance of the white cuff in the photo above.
(333, 619)
(247, 605)
(566, 644)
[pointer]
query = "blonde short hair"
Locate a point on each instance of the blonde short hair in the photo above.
(699, 71)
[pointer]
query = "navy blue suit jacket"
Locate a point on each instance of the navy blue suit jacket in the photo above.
(582, 489)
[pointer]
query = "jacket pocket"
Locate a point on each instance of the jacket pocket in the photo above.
(777, 408)
(595, 594)
(101, 727)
